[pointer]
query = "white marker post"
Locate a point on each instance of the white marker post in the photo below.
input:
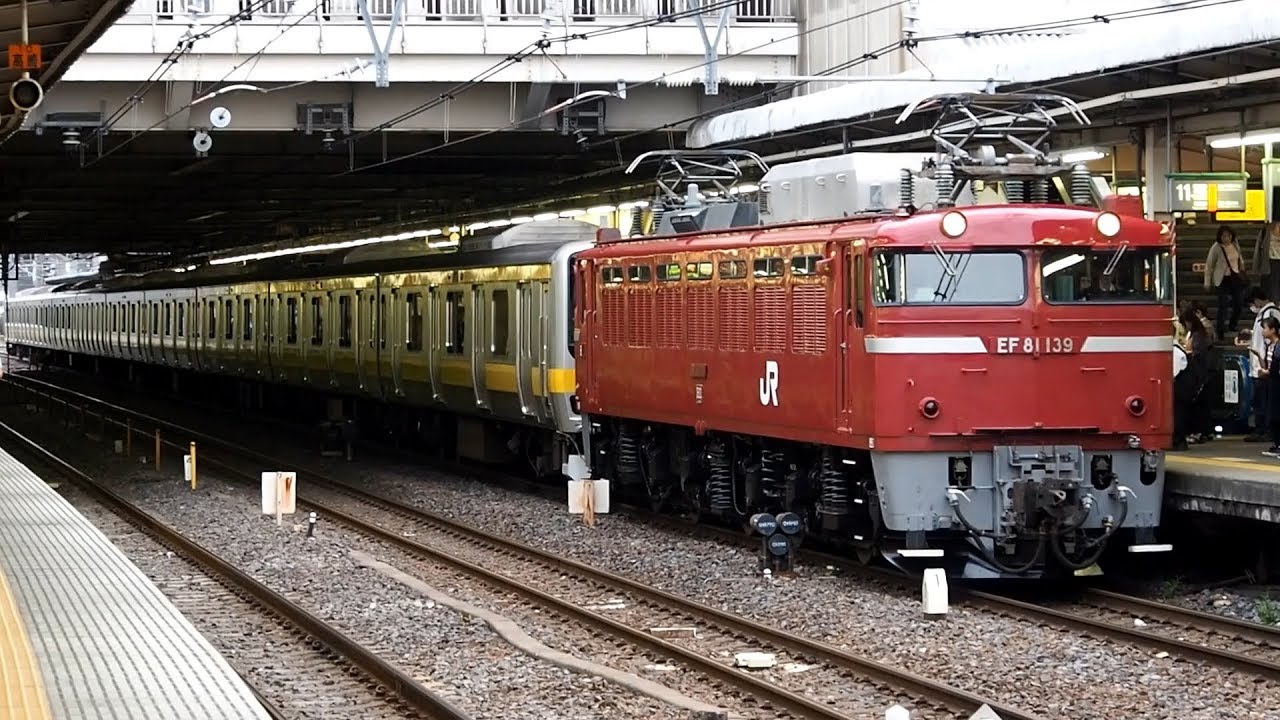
(279, 494)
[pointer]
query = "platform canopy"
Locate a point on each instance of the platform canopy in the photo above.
(61, 29)
(1207, 56)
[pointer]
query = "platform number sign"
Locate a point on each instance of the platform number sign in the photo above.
(1230, 387)
(769, 384)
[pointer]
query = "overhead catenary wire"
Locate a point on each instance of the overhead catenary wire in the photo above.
(182, 48)
(282, 30)
(1047, 26)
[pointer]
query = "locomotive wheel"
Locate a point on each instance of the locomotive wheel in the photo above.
(864, 554)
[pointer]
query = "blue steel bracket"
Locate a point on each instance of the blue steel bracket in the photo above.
(382, 52)
(710, 48)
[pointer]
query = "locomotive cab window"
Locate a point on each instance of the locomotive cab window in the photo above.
(611, 275)
(925, 277)
(639, 273)
(1107, 275)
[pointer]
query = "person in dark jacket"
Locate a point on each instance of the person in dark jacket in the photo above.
(1271, 334)
(1191, 401)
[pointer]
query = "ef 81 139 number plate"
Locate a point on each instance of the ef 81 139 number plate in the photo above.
(1037, 345)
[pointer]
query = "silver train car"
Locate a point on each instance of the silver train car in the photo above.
(483, 335)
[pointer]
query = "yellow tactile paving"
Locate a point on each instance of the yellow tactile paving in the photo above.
(23, 693)
(1241, 463)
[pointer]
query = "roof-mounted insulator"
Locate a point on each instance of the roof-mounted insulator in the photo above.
(637, 221)
(1081, 185)
(692, 197)
(906, 191)
(1040, 191)
(945, 179)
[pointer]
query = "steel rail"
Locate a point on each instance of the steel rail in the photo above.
(405, 687)
(872, 670)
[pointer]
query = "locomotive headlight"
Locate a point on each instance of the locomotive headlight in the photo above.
(1108, 224)
(954, 224)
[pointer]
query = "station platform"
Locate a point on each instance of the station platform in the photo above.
(1224, 477)
(84, 634)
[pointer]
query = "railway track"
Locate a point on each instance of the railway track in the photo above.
(218, 595)
(570, 588)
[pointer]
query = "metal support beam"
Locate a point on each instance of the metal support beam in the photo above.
(381, 52)
(710, 47)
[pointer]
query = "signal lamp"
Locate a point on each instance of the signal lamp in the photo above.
(930, 408)
(1137, 406)
(26, 94)
(954, 224)
(1108, 224)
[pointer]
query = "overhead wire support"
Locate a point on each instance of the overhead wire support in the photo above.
(710, 46)
(381, 54)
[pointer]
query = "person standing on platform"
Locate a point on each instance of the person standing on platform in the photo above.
(1271, 333)
(1191, 406)
(1224, 273)
(1264, 308)
(1266, 259)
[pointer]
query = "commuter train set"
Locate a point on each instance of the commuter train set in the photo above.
(983, 386)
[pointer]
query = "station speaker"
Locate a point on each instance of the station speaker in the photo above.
(26, 94)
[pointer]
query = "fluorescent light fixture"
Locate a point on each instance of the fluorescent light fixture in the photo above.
(477, 226)
(545, 216)
(601, 210)
(434, 232)
(405, 236)
(442, 243)
(576, 212)
(1062, 264)
(1080, 155)
(19, 215)
(420, 233)
(634, 204)
(747, 188)
(521, 220)
(1253, 137)
(454, 228)
(499, 223)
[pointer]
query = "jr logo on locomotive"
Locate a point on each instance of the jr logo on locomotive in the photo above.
(769, 384)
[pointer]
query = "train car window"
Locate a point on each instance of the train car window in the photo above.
(291, 327)
(501, 309)
(964, 278)
(455, 322)
(732, 269)
(639, 273)
(182, 318)
(1078, 275)
(155, 318)
(269, 320)
(669, 272)
(133, 317)
(344, 321)
(115, 318)
(382, 319)
(317, 322)
(229, 320)
(211, 319)
(611, 275)
(767, 267)
(413, 322)
(805, 265)
(247, 320)
(698, 270)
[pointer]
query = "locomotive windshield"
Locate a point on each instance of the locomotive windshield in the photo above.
(1110, 275)
(936, 277)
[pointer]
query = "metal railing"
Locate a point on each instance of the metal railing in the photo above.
(422, 11)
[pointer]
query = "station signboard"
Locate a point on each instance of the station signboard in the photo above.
(1207, 193)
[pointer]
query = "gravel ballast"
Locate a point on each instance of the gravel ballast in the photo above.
(1053, 672)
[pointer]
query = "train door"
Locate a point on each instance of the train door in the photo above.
(855, 366)
(531, 355)
(366, 352)
(478, 346)
(329, 324)
(394, 323)
(434, 344)
(390, 343)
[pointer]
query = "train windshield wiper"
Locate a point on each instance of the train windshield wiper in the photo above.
(1115, 259)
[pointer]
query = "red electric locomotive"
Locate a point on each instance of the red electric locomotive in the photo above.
(982, 387)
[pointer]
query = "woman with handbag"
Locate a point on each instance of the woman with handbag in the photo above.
(1224, 272)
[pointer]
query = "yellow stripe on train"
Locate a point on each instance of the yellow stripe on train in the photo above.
(501, 377)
